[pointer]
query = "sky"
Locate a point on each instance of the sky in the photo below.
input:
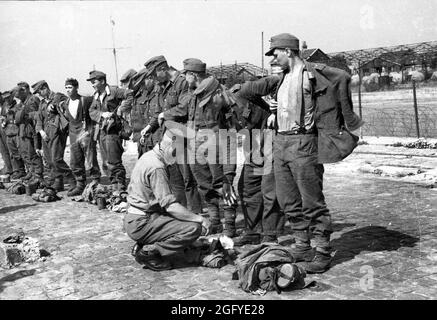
(54, 40)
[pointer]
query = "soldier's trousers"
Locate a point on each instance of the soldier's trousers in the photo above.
(31, 159)
(55, 157)
(13, 143)
(5, 152)
(260, 207)
(83, 158)
(299, 185)
(113, 145)
(169, 235)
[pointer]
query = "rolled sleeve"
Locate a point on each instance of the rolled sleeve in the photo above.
(159, 183)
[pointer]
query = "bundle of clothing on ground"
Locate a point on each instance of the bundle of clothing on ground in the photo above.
(101, 195)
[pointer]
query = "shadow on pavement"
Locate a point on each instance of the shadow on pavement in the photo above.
(13, 208)
(373, 239)
(15, 276)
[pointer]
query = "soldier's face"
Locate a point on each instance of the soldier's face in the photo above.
(281, 56)
(149, 84)
(44, 92)
(21, 94)
(191, 78)
(162, 76)
(71, 90)
(98, 84)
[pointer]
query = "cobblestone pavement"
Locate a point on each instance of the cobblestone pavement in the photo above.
(385, 240)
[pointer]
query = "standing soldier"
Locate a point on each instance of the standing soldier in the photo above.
(313, 107)
(83, 153)
(174, 87)
(51, 125)
(108, 104)
(11, 131)
(256, 186)
(7, 169)
(208, 109)
(25, 118)
(144, 110)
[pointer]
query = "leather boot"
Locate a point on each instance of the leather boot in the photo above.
(319, 264)
(214, 218)
(230, 229)
(152, 260)
(302, 250)
(58, 185)
(78, 189)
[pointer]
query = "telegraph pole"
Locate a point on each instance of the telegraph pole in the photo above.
(262, 52)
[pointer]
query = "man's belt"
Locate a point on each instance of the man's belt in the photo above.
(296, 132)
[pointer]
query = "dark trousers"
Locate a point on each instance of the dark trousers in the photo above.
(113, 145)
(5, 152)
(299, 184)
(31, 159)
(55, 157)
(83, 158)
(209, 178)
(260, 207)
(168, 234)
(13, 143)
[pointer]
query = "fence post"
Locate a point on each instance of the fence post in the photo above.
(359, 98)
(416, 113)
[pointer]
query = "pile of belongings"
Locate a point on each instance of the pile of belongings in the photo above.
(16, 188)
(19, 248)
(100, 195)
(268, 267)
(47, 194)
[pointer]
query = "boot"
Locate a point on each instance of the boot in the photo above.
(152, 260)
(17, 175)
(72, 186)
(319, 264)
(58, 185)
(78, 189)
(269, 238)
(70, 180)
(302, 251)
(230, 229)
(214, 218)
(247, 238)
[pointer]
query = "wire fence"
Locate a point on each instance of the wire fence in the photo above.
(403, 113)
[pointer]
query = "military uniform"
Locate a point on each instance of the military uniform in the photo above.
(109, 138)
(50, 123)
(3, 137)
(25, 118)
(11, 131)
(181, 176)
(256, 185)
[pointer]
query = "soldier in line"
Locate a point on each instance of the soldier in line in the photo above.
(7, 169)
(108, 105)
(11, 131)
(207, 110)
(25, 118)
(83, 152)
(173, 88)
(145, 108)
(54, 131)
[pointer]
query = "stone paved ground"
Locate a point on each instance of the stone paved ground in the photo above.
(385, 240)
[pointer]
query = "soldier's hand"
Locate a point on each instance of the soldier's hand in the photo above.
(40, 152)
(229, 196)
(206, 226)
(236, 87)
(145, 130)
(161, 118)
(51, 108)
(271, 121)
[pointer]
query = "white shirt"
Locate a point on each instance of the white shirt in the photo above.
(73, 105)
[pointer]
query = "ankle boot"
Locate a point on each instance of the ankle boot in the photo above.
(214, 218)
(302, 250)
(58, 185)
(230, 229)
(78, 189)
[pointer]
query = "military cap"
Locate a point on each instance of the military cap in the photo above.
(155, 62)
(127, 75)
(283, 40)
(96, 75)
(6, 94)
(194, 65)
(37, 86)
(22, 85)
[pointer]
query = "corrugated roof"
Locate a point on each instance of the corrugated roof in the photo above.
(236, 69)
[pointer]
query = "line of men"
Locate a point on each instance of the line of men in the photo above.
(309, 108)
